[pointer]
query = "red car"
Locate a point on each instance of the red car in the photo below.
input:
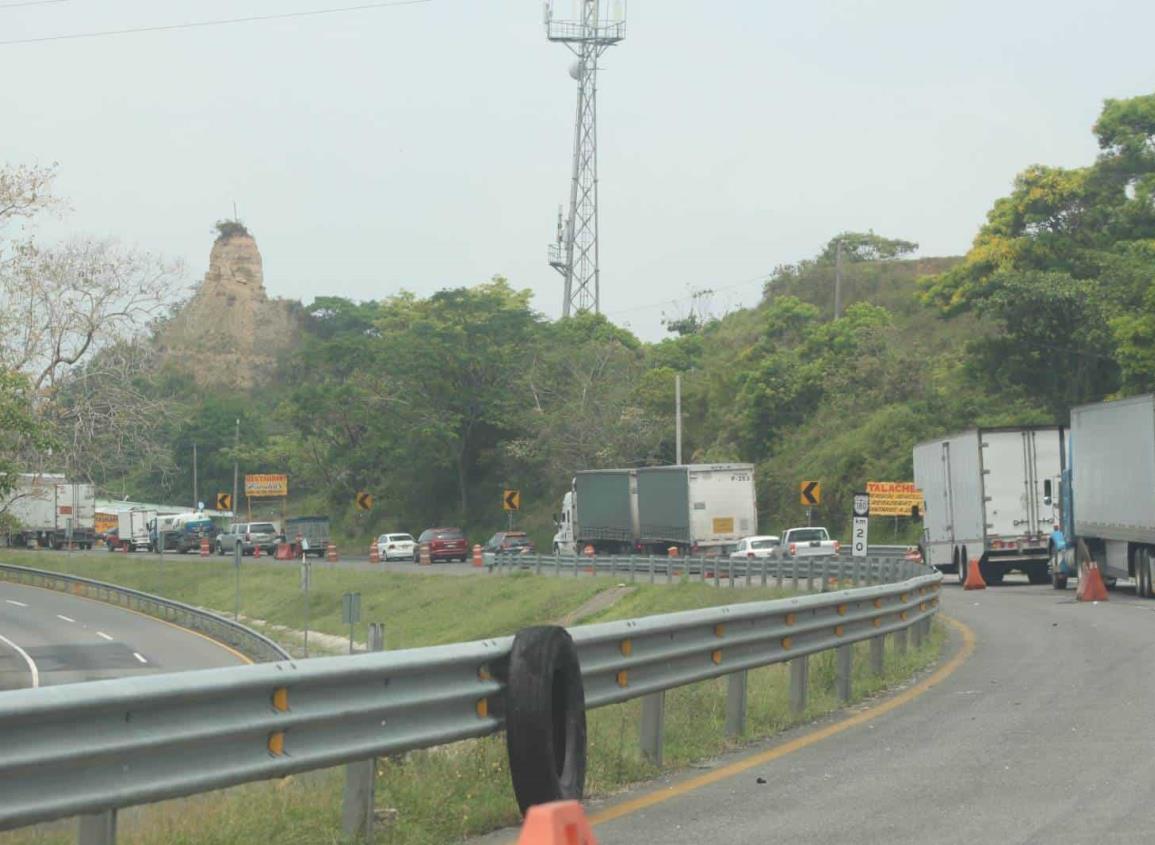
(445, 543)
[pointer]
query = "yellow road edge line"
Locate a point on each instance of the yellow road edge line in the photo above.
(243, 657)
(941, 674)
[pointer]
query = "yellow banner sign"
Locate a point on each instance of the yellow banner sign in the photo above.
(105, 522)
(265, 486)
(894, 498)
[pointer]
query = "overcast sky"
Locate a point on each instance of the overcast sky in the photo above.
(427, 146)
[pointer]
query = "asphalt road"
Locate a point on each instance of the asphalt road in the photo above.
(49, 638)
(1041, 736)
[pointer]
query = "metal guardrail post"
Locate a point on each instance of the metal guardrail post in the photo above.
(730, 571)
(844, 666)
(877, 654)
(651, 564)
(537, 565)
(97, 829)
(735, 704)
(717, 574)
(653, 731)
(794, 572)
(799, 683)
(810, 575)
(900, 640)
(765, 563)
(361, 776)
(916, 634)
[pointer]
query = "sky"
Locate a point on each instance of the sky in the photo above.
(427, 146)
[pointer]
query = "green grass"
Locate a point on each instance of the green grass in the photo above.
(446, 794)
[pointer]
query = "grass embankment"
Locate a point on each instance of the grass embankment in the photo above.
(444, 795)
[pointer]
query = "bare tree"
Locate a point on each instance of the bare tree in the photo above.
(60, 304)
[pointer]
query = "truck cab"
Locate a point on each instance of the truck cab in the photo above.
(563, 538)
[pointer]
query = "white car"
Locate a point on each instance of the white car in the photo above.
(397, 547)
(764, 545)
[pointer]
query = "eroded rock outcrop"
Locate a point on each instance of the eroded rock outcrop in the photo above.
(230, 333)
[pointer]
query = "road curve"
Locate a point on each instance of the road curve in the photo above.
(47, 638)
(1041, 736)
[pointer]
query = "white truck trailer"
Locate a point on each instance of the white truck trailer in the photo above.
(697, 508)
(987, 498)
(51, 512)
(1108, 492)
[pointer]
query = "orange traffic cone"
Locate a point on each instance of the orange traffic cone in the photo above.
(974, 579)
(1091, 586)
(557, 823)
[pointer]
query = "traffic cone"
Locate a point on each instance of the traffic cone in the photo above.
(974, 579)
(556, 823)
(1091, 586)
(374, 553)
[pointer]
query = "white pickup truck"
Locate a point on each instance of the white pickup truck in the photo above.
(809, 542)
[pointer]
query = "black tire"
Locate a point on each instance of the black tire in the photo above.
(545, 718)
(962, 565)
(1059, 582)
(1038, 575)
(992, 578)
(1142, 563)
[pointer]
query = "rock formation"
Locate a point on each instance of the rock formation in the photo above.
(229, 334)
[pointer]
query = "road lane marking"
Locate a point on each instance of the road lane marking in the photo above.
(16, 603)
(941, 674)
(104, 635)
(138, 656)
(31, 663)
(65, 618)
(244, 658)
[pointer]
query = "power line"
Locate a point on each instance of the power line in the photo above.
(220, 22)
(679, 299)
(32, 3)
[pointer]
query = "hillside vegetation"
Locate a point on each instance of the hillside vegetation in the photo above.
(437, 404)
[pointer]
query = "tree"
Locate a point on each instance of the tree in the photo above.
(21, 432)
(866, 246)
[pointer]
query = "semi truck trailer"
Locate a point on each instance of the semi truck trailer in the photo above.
(987, 499)
(49, 511)
(696, 508)
(1107, 494)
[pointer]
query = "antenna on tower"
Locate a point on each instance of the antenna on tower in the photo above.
(575, 255)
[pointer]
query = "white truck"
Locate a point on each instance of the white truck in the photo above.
(987, 499)
(1107, 493)
(133, 529)
(695, 508)
(808, 542)
(50, 511)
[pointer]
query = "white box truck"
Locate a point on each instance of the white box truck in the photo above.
(1107, 494)
(697, 508)
(50, 511)
(133, 529)
(987, 498)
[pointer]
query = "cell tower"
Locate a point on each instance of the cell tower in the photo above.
(575, 253)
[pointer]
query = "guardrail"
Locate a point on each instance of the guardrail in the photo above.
(92, 748)
(780, 572)
(244, 639)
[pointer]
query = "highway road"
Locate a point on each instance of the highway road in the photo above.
(1041, 735)
(47, 637)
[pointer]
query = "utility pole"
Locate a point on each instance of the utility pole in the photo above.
(678, 419)
(196, 493)
(838, 280)
(575, 253)
(236, 446)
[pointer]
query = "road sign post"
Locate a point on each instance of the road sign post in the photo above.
(861, 524)
(351, 613)
(306, 581)
(237, 590)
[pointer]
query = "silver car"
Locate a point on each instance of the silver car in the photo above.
(249, 536)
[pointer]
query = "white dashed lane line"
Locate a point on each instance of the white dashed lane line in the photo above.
(16, 603)
(104, 635)
(65, 618)
(138, 656)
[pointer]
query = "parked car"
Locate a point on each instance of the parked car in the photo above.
(764, 545)
(397, 547)
(516, 542)
(248, 535)
(445, 543)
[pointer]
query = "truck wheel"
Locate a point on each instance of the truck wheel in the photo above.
(993, 577)
(962, 564)
(1038, 575)
(545, 717)
(1143, 573)
(1059, 582)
